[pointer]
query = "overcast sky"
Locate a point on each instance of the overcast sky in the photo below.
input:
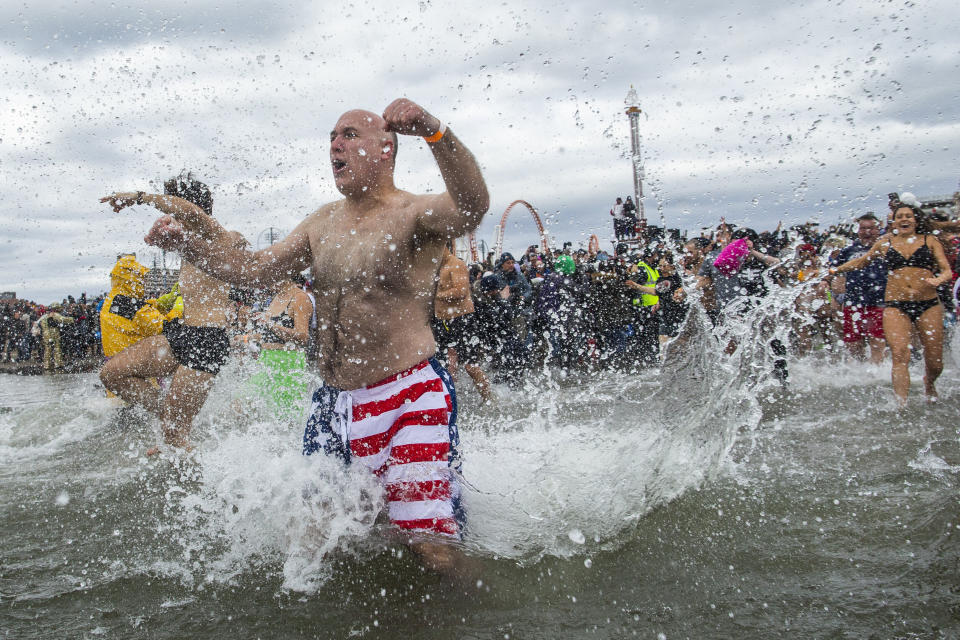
(759, 111)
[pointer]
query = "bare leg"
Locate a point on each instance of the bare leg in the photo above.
(480, 379)
(444, 559)
(897, 329)
(188, 391)
(128, 373)
(731, 348)
(663, 343)
(877, 347)
(452, 363)
(930, 328)
(858, 349)
(804, 340)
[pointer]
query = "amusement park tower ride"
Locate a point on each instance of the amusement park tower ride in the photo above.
(633, 113)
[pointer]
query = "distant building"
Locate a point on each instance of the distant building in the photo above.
(8, 295)
(159, 281)
(941, 206)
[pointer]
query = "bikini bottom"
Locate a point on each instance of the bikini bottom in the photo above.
(913, 309)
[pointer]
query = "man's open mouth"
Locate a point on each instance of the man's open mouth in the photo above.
(338, 166)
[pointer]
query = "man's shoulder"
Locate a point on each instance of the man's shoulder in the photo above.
(856, 250)
(325, 211)
(706, 267)
(851, 250)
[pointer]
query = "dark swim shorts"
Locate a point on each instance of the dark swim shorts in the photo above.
(198, 348)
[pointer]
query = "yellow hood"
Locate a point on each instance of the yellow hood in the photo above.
(127, 277)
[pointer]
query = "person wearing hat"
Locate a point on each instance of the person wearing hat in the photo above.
(520, 289)
(126, 316)
(50, 324)
(861, 293)
(494, 318)
(557, 309)
(192, 349)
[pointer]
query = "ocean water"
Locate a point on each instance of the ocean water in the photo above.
(699, 501)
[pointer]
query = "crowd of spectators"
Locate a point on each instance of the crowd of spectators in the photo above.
(594, 309)
(56, 335)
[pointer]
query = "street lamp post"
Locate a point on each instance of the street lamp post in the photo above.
(269, 236)
(633, 113)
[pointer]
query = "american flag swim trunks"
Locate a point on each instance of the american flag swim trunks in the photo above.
(404, 430)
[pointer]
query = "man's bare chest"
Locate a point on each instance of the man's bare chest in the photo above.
(368, 255)
(197, 287)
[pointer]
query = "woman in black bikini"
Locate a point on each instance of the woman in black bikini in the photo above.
(912, 257)
(283, 331)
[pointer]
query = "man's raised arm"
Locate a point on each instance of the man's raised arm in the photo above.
(461, 208)
(204, 243)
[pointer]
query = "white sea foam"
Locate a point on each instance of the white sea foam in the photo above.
(560, 468)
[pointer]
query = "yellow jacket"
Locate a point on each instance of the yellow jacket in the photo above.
(126, 317)
(52, 321)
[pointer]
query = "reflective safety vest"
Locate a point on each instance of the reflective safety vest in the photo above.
(645, 299)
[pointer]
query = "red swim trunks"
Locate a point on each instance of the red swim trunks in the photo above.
(862, 321)
(403, 429)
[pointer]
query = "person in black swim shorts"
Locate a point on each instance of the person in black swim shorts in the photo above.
(193, 349)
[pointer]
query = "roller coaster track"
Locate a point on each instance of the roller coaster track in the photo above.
(498, 246)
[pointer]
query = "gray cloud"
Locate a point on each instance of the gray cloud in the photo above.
(756, 111)
(52, 28)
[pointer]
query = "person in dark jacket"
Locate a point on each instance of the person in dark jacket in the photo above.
(630, 220)
(494, 325)
(556, 311)
(521, 292)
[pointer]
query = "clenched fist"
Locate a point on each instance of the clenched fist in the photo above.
(166, 234)
(410, 119)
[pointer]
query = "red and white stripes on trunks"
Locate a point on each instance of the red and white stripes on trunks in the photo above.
(403, 429)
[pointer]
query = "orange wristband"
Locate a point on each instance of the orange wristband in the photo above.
(438, 135)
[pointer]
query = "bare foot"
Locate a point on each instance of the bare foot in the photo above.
(444, 559)
(184, 448)
(931, 390)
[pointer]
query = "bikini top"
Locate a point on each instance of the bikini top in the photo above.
(922, 258)
(284, 319)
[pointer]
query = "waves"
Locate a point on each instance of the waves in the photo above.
(569, 465)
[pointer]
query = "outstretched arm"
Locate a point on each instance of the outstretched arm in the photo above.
(642, 288)
(203, 242)
(460, 209)
(768, 260)
(865, 259)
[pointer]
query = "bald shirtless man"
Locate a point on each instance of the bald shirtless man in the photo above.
(386, 403)
(193, 349)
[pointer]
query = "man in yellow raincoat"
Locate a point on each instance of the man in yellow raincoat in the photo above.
(127, 316)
